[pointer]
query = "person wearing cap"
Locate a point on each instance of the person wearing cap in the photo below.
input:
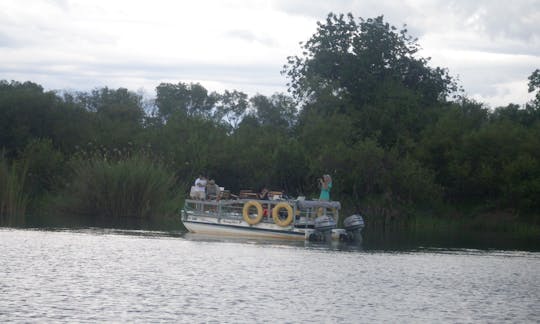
(212, 190)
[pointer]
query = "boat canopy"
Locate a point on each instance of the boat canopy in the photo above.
(319, 203)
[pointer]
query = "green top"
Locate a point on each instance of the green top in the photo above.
(325, 193)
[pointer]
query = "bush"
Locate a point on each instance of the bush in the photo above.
(45, 166)
(128, 190)
(13, 200)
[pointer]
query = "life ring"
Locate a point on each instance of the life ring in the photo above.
(275, 214)
(245, 212)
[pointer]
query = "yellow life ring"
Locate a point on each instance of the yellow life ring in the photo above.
(245, 212)
(275, 214)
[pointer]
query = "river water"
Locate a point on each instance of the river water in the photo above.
(113, 276)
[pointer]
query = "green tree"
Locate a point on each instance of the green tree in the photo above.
(526, 116)
(277, 111)
(231, 107)
(27, 112)
(184, 99)
(534, 85)
(117, 116)
(441, 144)
(370, 71)
(350, 58)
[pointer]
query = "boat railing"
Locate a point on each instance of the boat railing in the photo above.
(303, 211)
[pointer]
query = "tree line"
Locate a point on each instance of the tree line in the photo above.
(397, 135)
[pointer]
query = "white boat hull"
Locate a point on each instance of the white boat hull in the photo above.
(240, 230)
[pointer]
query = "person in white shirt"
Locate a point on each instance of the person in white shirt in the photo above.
(199, 192)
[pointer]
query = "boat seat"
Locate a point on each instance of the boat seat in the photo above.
(275, 194)
(247, 194)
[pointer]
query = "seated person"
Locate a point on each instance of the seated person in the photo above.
(212, 190)
(263, 195)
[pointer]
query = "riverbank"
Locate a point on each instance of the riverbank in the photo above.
(486, 230)
(501, 231)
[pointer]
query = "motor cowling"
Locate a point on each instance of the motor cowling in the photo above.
(324, 223)
(353, 223)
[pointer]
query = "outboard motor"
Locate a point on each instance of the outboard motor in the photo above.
(324, 223)
(353, 223)
(322, 229)
(303, 222)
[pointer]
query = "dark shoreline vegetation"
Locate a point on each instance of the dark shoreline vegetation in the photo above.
(403, 144)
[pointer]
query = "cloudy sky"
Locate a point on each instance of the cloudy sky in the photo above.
(491, 45)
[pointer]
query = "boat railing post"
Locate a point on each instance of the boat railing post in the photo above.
(269, 212)
(294, 213)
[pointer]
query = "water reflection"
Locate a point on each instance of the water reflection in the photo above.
(393, 243)
(111, 231)
(330, 246)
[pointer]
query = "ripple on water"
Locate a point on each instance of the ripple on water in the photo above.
(97, 276)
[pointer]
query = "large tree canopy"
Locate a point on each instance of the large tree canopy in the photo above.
(370, 71)
(350, 58)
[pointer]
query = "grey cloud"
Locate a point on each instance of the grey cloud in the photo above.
(315, 9)
(241, 76)
(490, 45)
(360, 8)
(319, 9)
(499, 18)
(495, 19)
(7, 41)
(491, 26)
(248, 36)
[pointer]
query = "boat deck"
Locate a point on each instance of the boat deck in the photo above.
(303, 211)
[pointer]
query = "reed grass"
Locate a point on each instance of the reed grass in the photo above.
(135, 187)
(13, 199)
(445, 224)
(490, 226)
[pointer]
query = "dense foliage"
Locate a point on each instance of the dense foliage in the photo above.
(118, 190)
(391, 130)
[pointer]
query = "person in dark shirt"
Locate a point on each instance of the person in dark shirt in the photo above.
(263, 195)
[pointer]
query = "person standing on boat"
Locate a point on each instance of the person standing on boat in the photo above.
(200, 188)
(326, 186)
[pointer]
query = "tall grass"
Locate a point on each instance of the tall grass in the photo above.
(130, 190)
(13, 200)
(399, 226)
